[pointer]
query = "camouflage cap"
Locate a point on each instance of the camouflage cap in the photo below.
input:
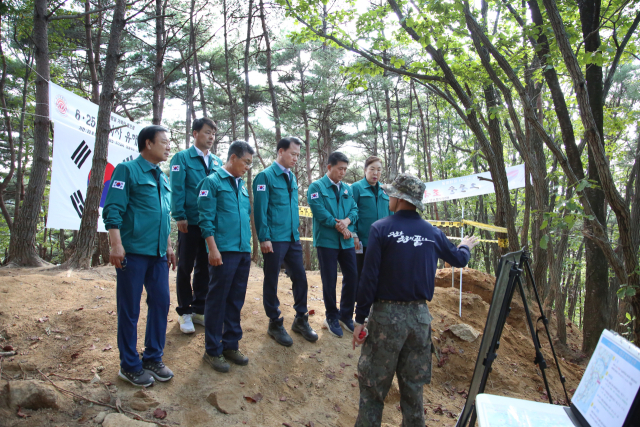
(407, 187)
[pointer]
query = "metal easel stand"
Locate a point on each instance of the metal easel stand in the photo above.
(515, 279)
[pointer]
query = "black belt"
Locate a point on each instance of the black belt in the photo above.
(420, 301)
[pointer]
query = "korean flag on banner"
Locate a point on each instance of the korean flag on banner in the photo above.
(73, 152)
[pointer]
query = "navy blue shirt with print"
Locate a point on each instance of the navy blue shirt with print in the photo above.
(401, 259)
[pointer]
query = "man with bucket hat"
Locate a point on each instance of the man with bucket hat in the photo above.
(398, 279)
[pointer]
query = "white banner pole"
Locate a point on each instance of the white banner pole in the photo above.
(461, 237)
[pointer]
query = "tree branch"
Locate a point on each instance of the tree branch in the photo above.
(79, 15)
(614, 65)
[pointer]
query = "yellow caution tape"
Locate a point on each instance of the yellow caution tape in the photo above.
(445, 223)
(479, 240)
(305, 211)
(484, 226)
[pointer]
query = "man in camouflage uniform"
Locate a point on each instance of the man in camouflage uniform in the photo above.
(398, 279)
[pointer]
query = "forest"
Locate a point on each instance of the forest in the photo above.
(436, 88)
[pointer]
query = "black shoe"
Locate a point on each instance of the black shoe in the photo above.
(236, 357)
(157, 370)
(279, 333)
(301, 326)
(218, 363)
(141, 378)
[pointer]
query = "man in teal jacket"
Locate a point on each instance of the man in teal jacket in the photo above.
(334, 215)
(136, 213)
(188, 168)
(275, 213)
(224, 212)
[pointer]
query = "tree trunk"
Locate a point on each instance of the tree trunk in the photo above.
(597, 300)
(22, 250)
(392, 164)
(196, 64)
(232, 104)
(246, 72)
(159, 86)
(598, 297)
(10, 146)
(86, 237)
(19, 175)
(272, 90)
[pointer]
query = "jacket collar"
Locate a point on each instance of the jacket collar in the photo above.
(366, 185)
(194, 153)
(145, 164)
(327, 182)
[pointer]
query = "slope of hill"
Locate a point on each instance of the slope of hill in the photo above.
(63, 324)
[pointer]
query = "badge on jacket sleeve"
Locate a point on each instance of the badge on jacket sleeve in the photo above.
(175, 168)
(204, 193)
(314, 196)
(118, 184)
(261, 188)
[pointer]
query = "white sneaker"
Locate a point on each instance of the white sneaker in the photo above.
(186, 324)
(198, 318)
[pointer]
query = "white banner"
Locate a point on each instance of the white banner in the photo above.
(470, 185)
(73, 146)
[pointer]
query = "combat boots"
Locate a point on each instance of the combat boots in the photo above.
(301, 326)
(279, 333)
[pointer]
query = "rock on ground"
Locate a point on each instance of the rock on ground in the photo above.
(100, 417)
(227, 402)
(31, 394)
(464, 332)
(121, 420)
(141, 401)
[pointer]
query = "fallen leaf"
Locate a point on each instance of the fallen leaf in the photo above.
(160, 414)
(254, 399)
(107, 348)
(344, 365)
(336, 408)
(312, 312)
(93, 347)
(21, 414)
(287, 424)
(43, 319)
(355, 375)
(8, 348)
(331, 376)
(350, 356)
(354, 385)
(81, 308)
(310, 424)
(283, 398)
(75, 355)
(312, 356)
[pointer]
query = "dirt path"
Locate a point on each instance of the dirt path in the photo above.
(64, 323)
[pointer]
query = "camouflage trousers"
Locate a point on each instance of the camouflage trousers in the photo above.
(399, 342)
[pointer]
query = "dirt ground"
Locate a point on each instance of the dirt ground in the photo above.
(64, 323)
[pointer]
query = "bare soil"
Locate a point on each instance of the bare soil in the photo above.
(64, 323)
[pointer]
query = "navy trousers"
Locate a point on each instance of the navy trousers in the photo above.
(152, 272)
(227, 289)
(329, 259)
(360, 261)
(291, 254)
(192, 256)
